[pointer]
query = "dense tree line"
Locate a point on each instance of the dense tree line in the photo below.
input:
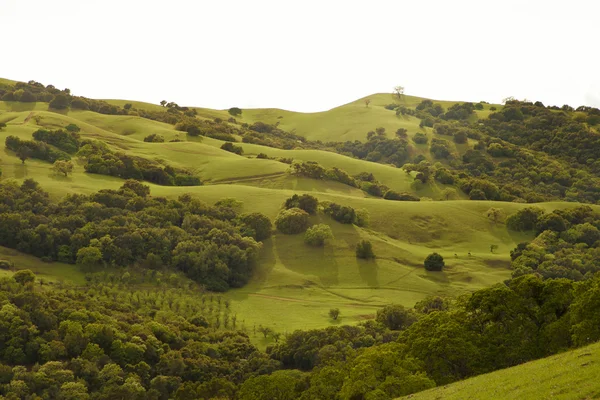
(99, 159)
(212, 245)
(567, 245)
(104, 343)
(378, 148)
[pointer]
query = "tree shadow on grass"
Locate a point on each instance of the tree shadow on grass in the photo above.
(21, 171)
(368, 270)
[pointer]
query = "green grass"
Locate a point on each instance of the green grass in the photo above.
(351, 121)
(566, 376)
(54, 272)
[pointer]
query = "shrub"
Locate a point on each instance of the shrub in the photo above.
(434, 262)
(342, 214)
(396, 317)
(525, 219)
(262, 155)
(364, 249)
(230, 147)
(420, 138)
(259, 224)
(304, 202)
(292, 221)
(154, 138)
(393, 195)
(235, 111)
(60, 102)
(316, 235)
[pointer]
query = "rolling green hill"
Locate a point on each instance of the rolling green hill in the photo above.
(308, 281)
(514, 196)
(566, 376)
(351, 121)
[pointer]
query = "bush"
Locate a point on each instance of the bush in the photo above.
(396, 317)
(230, 147)
(316, 235)
(262, 155)
(342, 214)
(393, 195)
(420, 138)
(304, 202)
(292, 221)
(434, 262)
(364, 249)
(60, 102)
(235, 111)
(259, 224)
(154, 138)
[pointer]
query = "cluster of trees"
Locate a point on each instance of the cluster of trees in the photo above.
(378, 148)
(99, 159)
(212, 245)
(567, 243)
(154, 138)
(25, 149)
(294, 218)
(67, 140)
(232, 148)
(105, 343)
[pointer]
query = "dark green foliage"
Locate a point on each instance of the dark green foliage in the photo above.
(364, 249)
(317, 235)
(440, 148)
(420, 138)
(378, 148)
(66, 141)
(342, 214)
(304, 202)
(84, 343)
(525, 219)
(393, 195)
(230, 147)
(154, 138)
(309, 169)
(34, 149)
(99, 159)
(567, 245)
(259, 224)
(235, 111)
(434, 262)
(396, 317)
(123, 226)
(334, 313)
(60, 102)
(292, 221)
(262, 156)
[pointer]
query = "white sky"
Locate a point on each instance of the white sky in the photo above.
(305, 55)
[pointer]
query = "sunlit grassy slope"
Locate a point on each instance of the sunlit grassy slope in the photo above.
(567, 376)
(295, 285)
(351, 121)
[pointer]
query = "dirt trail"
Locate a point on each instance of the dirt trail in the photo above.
(26, 120)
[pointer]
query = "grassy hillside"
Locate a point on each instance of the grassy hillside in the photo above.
(570, 375)
(295, 285)
(351, 121)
